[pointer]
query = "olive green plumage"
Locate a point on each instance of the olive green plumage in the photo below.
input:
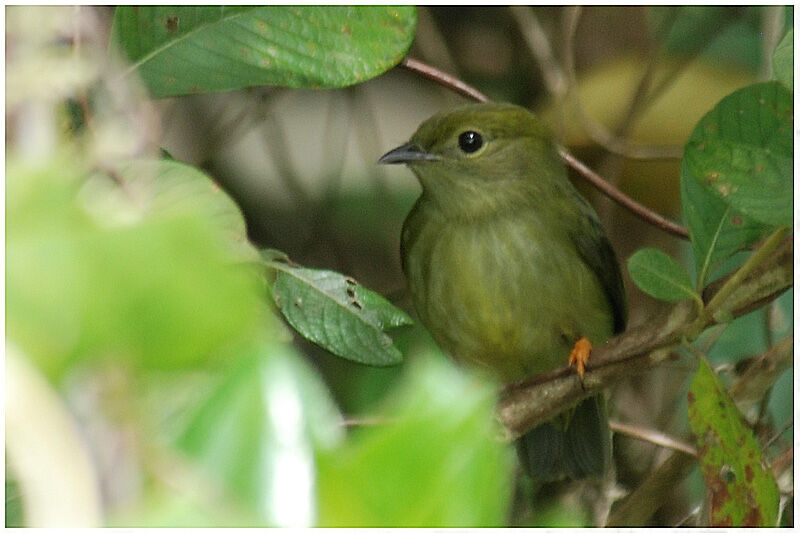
(508, 265)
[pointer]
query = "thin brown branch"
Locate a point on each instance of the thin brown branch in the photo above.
(778, 434)
(443, 78)
(762, 373)
(455, 84)
(652, 436)
(621, 198)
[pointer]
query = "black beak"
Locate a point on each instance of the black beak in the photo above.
(405, 154)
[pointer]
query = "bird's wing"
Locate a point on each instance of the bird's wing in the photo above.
(595, 250)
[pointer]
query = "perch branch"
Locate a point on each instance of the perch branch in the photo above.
(451, 82)
(526, 403)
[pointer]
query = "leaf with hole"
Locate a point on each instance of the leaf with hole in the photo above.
(660, 276)
(743, 490)
(180, 50)
(742, 152)
(338, 314)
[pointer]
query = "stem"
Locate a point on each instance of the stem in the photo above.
(652, 436)
(443, 78)
(758, 257)
(621, 198)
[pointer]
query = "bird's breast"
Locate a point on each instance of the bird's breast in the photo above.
(507, 293)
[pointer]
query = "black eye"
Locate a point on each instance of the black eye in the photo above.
(470, 141)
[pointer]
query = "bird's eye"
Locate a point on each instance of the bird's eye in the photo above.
(470, 141)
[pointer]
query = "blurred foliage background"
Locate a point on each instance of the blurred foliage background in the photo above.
(164, 371)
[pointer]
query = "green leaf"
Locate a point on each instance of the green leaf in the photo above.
(166, 188)
(435, 459)
(98, 270)
(783, 60)
(723, 34)
(181, 50)
(660, 276)
(742, 152)
(338, 314)
(743, 491)
(258, 433)
(717, 231)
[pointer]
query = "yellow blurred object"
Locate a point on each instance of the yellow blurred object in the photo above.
(606, 94)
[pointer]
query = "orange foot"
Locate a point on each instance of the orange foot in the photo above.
(580, 355)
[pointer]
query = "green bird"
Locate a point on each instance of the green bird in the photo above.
(509, 268)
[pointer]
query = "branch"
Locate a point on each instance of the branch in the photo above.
(529, 402)
(652, 436)
(443, 78)
(451, 82)
(621, 198)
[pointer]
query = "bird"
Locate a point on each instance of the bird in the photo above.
(510, 269)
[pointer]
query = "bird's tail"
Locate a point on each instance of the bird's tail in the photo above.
(576, 445)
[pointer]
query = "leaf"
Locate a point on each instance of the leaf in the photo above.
(258, 433)
(181, 50)
(167, 188)
(717, 231)
(743, 491)
(660, 276)
(742, 152)
(725, 35)
(435, 460)
(336, 313)
(783, 60)
(98, 271)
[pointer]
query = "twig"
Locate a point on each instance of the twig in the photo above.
(694, 512)
(442, 78)
(652, 436)
(539, 45)
(451, 82)
(780, 432)
(621, 198)
(598, 133)
(760, 255)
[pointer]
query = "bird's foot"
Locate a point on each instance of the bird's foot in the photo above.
(580, 355)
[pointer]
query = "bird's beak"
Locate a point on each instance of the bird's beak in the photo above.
(405, 154)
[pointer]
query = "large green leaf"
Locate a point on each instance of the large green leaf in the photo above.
(783, 60)
(742, 152)
(337, 313)
(258, 433)
(196, 49)
(94, 269)
(743, 491)
(434, 460)
(716, 229)
(660, 276)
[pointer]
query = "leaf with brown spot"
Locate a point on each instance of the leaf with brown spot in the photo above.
(336, 313)
(743, 492)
